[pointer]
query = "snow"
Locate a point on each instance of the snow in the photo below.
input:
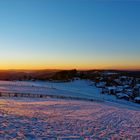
(122, 95)
(137, 98)
(112, 88)
(77, 88)
(51, 119)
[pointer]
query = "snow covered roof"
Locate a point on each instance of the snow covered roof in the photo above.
(126, 86)
(137, 98)
(122, 95)
(129, 93)
(111, 88)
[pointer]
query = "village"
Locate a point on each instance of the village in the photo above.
(123, 87)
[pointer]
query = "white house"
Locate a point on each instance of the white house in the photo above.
(109, 90)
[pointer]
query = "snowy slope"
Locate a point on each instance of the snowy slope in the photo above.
(77, 88)
(52, 119)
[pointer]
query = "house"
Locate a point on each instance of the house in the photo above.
(109, 90)
(136, 89)
(100, 84)
(119, 89)
(122, 96)
(125, 80)
(137, 86)
(117, 81)
(137, 99)
(129, 92)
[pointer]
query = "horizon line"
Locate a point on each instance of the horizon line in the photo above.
(18, 69)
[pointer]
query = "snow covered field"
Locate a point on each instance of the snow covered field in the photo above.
(65, 89)
(52, 119)
(55, 119)
(77, 88)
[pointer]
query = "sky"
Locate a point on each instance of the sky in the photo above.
(69, 34)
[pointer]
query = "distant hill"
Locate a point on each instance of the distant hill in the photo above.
(60, 75)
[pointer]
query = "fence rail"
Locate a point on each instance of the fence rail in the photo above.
(31, 95)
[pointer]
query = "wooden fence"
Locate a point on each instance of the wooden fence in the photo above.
(31, 95)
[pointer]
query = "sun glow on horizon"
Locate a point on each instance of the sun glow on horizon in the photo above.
(66, 65)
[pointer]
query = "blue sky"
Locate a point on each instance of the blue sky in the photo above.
(83, 34)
